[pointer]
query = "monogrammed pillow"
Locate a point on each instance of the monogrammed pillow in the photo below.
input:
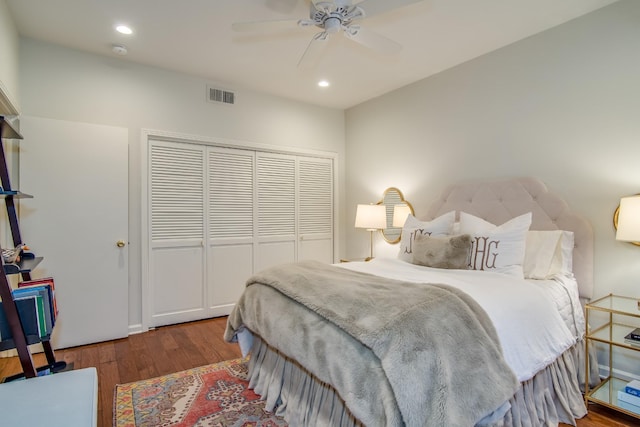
(496, 248)
(440, 226)
(442, 251)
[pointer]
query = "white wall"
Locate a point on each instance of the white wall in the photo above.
(9, 102)
(563, 106)
(65, 84)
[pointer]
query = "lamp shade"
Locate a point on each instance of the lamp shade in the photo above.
(371, 217)
(629, 219)
(400, 214)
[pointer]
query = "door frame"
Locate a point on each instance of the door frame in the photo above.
(154, 134)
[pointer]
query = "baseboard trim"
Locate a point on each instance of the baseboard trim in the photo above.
(136, 329)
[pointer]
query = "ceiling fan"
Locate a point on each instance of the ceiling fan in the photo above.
(333, 17)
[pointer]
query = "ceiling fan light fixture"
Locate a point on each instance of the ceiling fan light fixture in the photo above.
(332, 16)
(332, 24)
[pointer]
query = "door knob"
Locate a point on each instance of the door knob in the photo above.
(120, 243)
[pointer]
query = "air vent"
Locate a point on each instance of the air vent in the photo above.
(220, 95)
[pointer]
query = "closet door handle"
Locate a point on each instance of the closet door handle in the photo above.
(120, 243)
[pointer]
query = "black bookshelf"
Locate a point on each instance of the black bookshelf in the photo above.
(27, 263)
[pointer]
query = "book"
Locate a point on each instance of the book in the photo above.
(45, 281)
(5, 330)
(633, 335)
(629, 407)
(44, 306)
(41, 326)
(633, 343)
(633, 388)
(629, 398)
(47, 295)
(28, 318)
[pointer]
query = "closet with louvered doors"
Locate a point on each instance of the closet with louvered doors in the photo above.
(219, 214)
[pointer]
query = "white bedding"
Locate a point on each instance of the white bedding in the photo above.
(563, 291)
(549, 319)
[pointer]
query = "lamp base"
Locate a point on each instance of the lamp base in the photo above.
(371, 245)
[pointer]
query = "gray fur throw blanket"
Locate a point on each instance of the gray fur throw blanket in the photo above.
(432, 346)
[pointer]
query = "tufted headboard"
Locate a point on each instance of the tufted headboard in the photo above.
(499, 201)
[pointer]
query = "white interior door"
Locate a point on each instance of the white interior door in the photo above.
(230, 224)
(78, 176)
(315, 209)
(176, 259)
(276, 195)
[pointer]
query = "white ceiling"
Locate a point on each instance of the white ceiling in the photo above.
(195, 37)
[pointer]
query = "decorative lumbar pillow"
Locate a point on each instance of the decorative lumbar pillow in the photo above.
(440, 226)
(496, 248)
(442, 251)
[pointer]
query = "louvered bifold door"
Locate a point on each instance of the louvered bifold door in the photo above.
(315, 209)
(276, 185)
(176, 205)
(230, 224)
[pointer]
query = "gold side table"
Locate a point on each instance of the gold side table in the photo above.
(611, 333)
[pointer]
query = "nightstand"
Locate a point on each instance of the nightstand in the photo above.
(611, 333)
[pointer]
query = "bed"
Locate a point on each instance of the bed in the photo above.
(402, 341)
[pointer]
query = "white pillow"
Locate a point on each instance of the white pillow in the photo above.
(563, 261)
(440, 226)
(540, 251)
(496, 248)
(548, 253)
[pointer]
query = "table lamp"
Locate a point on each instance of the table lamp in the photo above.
(628, 219)
(372, 218)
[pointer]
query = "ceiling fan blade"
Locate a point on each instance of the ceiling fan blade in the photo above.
(325, 6)
(282, 6)
(376, 7)
(313, 51)
(372, 40)
(253, 26)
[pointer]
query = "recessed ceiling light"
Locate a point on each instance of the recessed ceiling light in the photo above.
(323, 83)
(123, 29)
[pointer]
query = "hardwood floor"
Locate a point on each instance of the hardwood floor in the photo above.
(141, 356)
(188, 345)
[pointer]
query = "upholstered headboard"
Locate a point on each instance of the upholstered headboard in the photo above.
(499, 201)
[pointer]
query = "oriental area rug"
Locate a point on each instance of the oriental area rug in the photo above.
(212, 395)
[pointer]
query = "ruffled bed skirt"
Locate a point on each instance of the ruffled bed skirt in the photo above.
(554, 395)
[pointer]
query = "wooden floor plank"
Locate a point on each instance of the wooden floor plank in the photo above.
(108, 378)
(125, 359)
(143, 357)
(162, 365)
(192, 355)
(189, 345)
